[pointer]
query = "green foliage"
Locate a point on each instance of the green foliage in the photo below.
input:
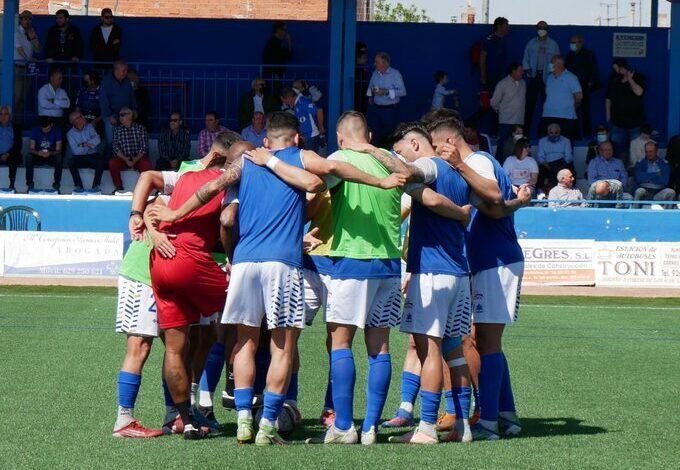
(399, 13)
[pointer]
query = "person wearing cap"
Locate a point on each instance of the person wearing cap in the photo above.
(26, 43)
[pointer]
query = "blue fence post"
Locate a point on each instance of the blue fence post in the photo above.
(335, 17)
(349, 62)
(654, 15)
(11, 8)
(674, 71)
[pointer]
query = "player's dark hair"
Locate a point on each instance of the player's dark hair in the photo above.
(443, 118)
(439, 75)
(406, 128)
(281, 121)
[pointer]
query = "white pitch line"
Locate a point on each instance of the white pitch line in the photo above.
(62, 296)
(601, 307)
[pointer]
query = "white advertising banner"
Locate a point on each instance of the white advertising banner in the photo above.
(637, 264)
(558, 262)
(62, 254)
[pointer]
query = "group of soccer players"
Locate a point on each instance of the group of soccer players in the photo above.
(464, 269)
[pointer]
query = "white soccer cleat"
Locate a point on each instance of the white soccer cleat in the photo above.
(370, 437)
(415, 437)
(335, 436)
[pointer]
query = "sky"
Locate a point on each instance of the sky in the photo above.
(583, 12)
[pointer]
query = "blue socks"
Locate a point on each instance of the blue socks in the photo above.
(169, 402)
(410, 384)
(449, 403)
(292, 393)
(328, 400)
(273, 402)
(262, 360)
(128, 388)
(379, 375)
(243, 398)
(461, 402)
(429, 406)
(343, 376)
(213, 369)
(506, 399)
(490, 378)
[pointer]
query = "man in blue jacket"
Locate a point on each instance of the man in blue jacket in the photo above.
(652, 175)
(115, 92)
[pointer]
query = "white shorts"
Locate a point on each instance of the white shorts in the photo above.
(136, 311)
(437, 305)
(495, 294)
(365, 303)
(268, 288)
(316, 293)
(207, 320)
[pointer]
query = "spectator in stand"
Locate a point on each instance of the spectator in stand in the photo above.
(624, 105)
(520, 167)
(509, 101)
(52, 98)
(64, 43)
(582, 63)
(538, 54)
(493, 57)
(115, 93)
(563, 96)
(601, 135)
(360, 77)
(87, 100)
(44, 148)
(516, 133)
(207, 135)
(305, 112)
(105, 39)
(565, 191)
(142, 99)
(441, 79)
(255, 132)
(277, 53)
(608, 190)
(606, 167)
(385, 90)
(26, 43)
(652, 176)
(554, 154)
(476, 140)
(637, 145)
(312, 93)
(255, 100)
(83, 142)
(10, 144)
(174, 144)
(130, 148)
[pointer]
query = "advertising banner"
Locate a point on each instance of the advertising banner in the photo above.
(558, 262)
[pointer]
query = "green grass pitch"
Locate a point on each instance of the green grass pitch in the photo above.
(597, 384)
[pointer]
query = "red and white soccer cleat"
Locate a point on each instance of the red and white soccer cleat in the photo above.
(136, 430)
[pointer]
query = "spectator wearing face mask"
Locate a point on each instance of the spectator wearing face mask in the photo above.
(538, 54)
(563, 96)
(624, 105)
(601, 135)
(516, 133)
(637, 146)
(554, 154)
(581, 62)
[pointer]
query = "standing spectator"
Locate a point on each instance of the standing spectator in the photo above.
(174, 144)
(637, 145)
(87, 100)
(52, 98)
(105, 39)
(606, 167)
(493, 57)
(509, 100)
(26, 43)
(563, 96)
(207, 135)
(360, 77)
(476, 140)
(83, 142)
(255, 132)
(608, 190)
(10, 144)
(538, 54)
(441, 79)
(520, 167)
(64, 42)
(130, 148)
(582, 63)
(44, 149)
(255, 100)
(142, 99)
(554, 154)
(565, 191)
(624, 105)
(305, 112)
(652, 176)
(385, 90)
(115, 93)
(277, 53)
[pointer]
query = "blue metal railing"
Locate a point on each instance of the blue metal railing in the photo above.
(595, 203)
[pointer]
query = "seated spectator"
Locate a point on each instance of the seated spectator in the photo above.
(476, 140)
(606, 167)
(652, 176)
(52, 98)
(255, 100)
(174, 144)
(142, 99)
(305, 112)
(608, 190)
(637, 146)
(565, 191)
(516, 133)
(601, 135)
(87, 100)
(44, 149)
(83, 142)
(207, 135)
(520, 167)
(255, 132)
(10, 144)
(130, 148)
(554, 154)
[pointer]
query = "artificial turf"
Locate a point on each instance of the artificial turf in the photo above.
(596, 380)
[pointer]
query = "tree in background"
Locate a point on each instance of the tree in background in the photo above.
(398, 13)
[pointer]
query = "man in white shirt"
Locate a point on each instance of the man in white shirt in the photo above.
(509, 101)
(52, 99)
(565, 191)
(26, 43)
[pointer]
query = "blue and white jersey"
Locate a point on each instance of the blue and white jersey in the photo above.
(437, 244)
(492, 242)
(271, 214)
(305, 112)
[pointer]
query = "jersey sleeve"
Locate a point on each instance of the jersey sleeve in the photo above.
(428, 167)
(230, 196)
(170, 179)
(482, 166)
(332, 180)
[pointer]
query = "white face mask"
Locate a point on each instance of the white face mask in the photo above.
(551, 68)
(601, 138)
(542, 33)
(573, 47)
(517, 136)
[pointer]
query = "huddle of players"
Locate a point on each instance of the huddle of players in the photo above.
(353, 199)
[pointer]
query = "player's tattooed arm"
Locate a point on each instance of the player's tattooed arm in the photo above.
(441, 205)
(390, 162)
(347, 172)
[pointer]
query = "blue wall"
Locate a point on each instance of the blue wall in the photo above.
(417, 50)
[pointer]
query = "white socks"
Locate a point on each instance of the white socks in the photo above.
(427, 428)
(205, 398)
(125, 417)
(192, 394)
(407, 407)
(245, 414)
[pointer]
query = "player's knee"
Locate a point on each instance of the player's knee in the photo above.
(138, 349)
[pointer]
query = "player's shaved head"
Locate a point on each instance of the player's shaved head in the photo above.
(352, 126)
(238, 149)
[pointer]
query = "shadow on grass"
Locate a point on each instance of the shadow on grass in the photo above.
(544, 427)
